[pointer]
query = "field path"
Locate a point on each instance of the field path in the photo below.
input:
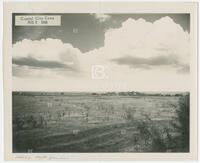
(92, 140)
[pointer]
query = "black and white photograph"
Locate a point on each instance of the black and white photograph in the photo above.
(105, 67)
(102, 82)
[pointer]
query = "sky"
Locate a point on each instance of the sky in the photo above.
(103, 52)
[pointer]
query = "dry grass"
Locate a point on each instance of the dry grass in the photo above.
(90, 123)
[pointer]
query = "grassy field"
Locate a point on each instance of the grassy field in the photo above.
(54, 122)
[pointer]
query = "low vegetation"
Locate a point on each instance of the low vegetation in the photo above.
(93, 123)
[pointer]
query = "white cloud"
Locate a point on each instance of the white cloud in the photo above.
(162, 44)
(45, 49)
(160, 50)
(139, 38)
(102, 17)
(36, 58)
(148, 44)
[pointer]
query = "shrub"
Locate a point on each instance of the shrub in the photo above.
(182, 127)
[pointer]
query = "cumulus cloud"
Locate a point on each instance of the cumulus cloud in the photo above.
(140, 43)
(101, 17)
(137, 52)
(45, 55)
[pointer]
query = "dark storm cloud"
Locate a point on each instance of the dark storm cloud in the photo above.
(148, 63)
(34, 63)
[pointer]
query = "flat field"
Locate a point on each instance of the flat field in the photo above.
(45, 122)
